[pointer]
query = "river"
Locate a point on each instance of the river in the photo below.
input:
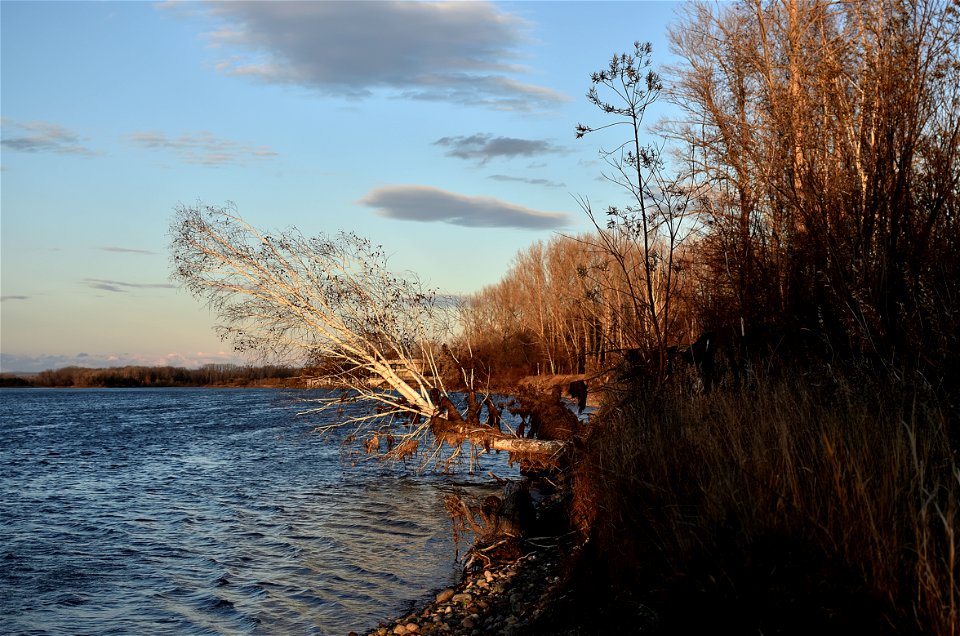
(205, 511)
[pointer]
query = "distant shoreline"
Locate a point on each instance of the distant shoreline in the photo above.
(208, 376)
(219, 377)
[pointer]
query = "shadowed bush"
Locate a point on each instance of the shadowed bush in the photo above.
(820, 503)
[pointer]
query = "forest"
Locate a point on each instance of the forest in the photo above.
(771, 320)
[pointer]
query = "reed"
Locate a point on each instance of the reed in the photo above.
(821, 502)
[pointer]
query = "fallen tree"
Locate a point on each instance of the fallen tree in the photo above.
(333, 300)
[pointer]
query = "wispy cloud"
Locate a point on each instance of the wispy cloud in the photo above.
(483, 147)
(120, 286)
(461, 52)
(6, 298)
(203, 148)
(42, 136)
(124, 250)
(540, 182)
(432, 205)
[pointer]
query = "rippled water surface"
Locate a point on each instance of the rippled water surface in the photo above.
(182, 511)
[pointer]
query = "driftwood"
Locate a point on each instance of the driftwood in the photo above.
(449, 426)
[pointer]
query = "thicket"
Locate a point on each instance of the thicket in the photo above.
(808, 479)
(827, 505)
(545, 316)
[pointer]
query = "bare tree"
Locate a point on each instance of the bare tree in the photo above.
(334, 299)
(829, 132)
(551, 299)
(641, 238)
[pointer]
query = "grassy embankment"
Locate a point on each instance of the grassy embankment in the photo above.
(809, 504)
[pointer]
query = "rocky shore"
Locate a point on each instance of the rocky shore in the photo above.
(507, 598)
(510, 585)
(506, 588)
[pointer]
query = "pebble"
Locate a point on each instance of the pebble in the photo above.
(502, 598)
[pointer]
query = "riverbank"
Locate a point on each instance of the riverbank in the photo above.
(508, 586)
(511, 585)
(500, 598)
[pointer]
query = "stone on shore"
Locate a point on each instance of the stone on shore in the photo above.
(507, 595)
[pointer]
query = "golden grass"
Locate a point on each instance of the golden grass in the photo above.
(819, 502)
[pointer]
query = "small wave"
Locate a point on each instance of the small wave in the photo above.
(71, 600)
(188, 523)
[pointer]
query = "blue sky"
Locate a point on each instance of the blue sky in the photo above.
(444, 132)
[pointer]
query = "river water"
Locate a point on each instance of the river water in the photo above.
(204, 511)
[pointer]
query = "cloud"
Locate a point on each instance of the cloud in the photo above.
(203, 148)
(430, 205)
(124, 250)
(541, 182)
(41, 136)
(484, 147)
(460, 52)
(6, 298)
(120, 286)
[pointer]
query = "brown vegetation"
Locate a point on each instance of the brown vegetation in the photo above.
(829, 134)
(825, 504)
(825, 171)
(794, 468)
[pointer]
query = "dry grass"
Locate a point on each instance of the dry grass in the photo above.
(789, 508)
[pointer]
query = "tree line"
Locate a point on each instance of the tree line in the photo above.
(141, 376)
(805, 198)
